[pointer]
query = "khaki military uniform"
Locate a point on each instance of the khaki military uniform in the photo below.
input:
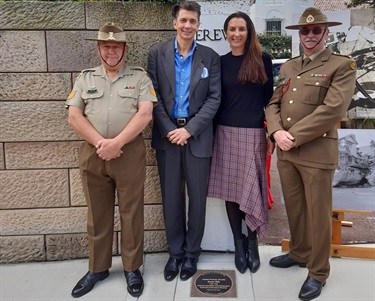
(308, 103)
(109, 106)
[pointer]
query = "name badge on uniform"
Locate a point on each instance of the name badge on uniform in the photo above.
(92, 90)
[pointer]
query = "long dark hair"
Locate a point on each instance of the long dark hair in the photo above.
(252, 67)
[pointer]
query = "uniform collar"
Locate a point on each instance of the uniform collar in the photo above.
(122, 72)
(315, 55)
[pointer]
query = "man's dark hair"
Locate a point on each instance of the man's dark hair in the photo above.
(186, 5)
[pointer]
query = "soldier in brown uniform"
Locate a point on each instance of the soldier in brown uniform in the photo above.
(301, 117)
(109, 107)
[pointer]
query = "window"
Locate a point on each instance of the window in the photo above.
(273, 26)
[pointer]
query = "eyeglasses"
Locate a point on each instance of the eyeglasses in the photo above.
(305, 31)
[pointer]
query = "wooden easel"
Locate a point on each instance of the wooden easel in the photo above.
(337, 248)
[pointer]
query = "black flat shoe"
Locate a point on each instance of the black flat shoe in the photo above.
(284, 261)
(87, 282)
(310, 289)
(189, 268)
(172, 268)
(135, 282)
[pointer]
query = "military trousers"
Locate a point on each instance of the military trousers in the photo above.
(307, 193)
(101, 180)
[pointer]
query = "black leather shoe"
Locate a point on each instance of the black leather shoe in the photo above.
(189, 268)
(310, 289)
(253, 259)
(240, 254)
(171, 268)
(284, 261)
(87, 282)
(135, 282)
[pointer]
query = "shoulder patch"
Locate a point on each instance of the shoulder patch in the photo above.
(71, 95)
(152, 91)
(353, 65)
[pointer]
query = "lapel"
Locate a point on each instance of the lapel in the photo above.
(168, 65)
(196, 70)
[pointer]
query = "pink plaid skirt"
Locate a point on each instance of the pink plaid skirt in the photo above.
(238, 173)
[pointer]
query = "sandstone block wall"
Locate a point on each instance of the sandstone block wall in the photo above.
(42, 207)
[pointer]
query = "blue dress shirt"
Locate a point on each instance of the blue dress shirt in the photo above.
(182, 72)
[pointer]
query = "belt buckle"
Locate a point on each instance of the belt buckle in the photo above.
(181, 121)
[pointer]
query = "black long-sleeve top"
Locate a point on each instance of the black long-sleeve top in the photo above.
(243, 105)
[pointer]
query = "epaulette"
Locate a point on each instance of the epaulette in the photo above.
(137, 68)
(344, 55)
(84, 71)
(87, 70)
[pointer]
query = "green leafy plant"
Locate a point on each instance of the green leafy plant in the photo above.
(278, 46)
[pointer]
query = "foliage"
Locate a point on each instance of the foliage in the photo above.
(278, 46)
(355, 3)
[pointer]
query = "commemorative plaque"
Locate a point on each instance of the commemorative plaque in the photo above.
(214, 283)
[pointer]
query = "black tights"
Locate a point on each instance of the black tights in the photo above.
(235, 217)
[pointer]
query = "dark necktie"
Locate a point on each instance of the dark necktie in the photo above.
(305, 62)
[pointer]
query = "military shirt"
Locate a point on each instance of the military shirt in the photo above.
(110, 105)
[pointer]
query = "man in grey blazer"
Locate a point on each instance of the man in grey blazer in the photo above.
(186, 78)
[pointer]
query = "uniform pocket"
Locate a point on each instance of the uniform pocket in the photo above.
(321, 150)
(315, 90)
(127, 102)
(93, 102)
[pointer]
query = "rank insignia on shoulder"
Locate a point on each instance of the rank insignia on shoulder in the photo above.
(152, 91)
(353, 65)
(71, 95)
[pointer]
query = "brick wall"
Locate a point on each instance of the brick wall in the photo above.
(42, 50)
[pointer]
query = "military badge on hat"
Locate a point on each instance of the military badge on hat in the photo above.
(311, 16)
(111, 33)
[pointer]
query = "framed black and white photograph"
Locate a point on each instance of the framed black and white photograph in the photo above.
(354, 179)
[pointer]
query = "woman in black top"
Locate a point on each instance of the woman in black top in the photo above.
(238, 168)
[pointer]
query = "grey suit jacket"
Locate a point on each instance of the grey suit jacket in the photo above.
(204, 96)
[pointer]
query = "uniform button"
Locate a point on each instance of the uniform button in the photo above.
(298, 77)
(317, 84)
(325, 135)
(291, 101)
(110, 109)
(294, 89)
(288, 119)
(109, 123)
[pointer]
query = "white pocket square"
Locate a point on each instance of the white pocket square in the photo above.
(204, 73)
